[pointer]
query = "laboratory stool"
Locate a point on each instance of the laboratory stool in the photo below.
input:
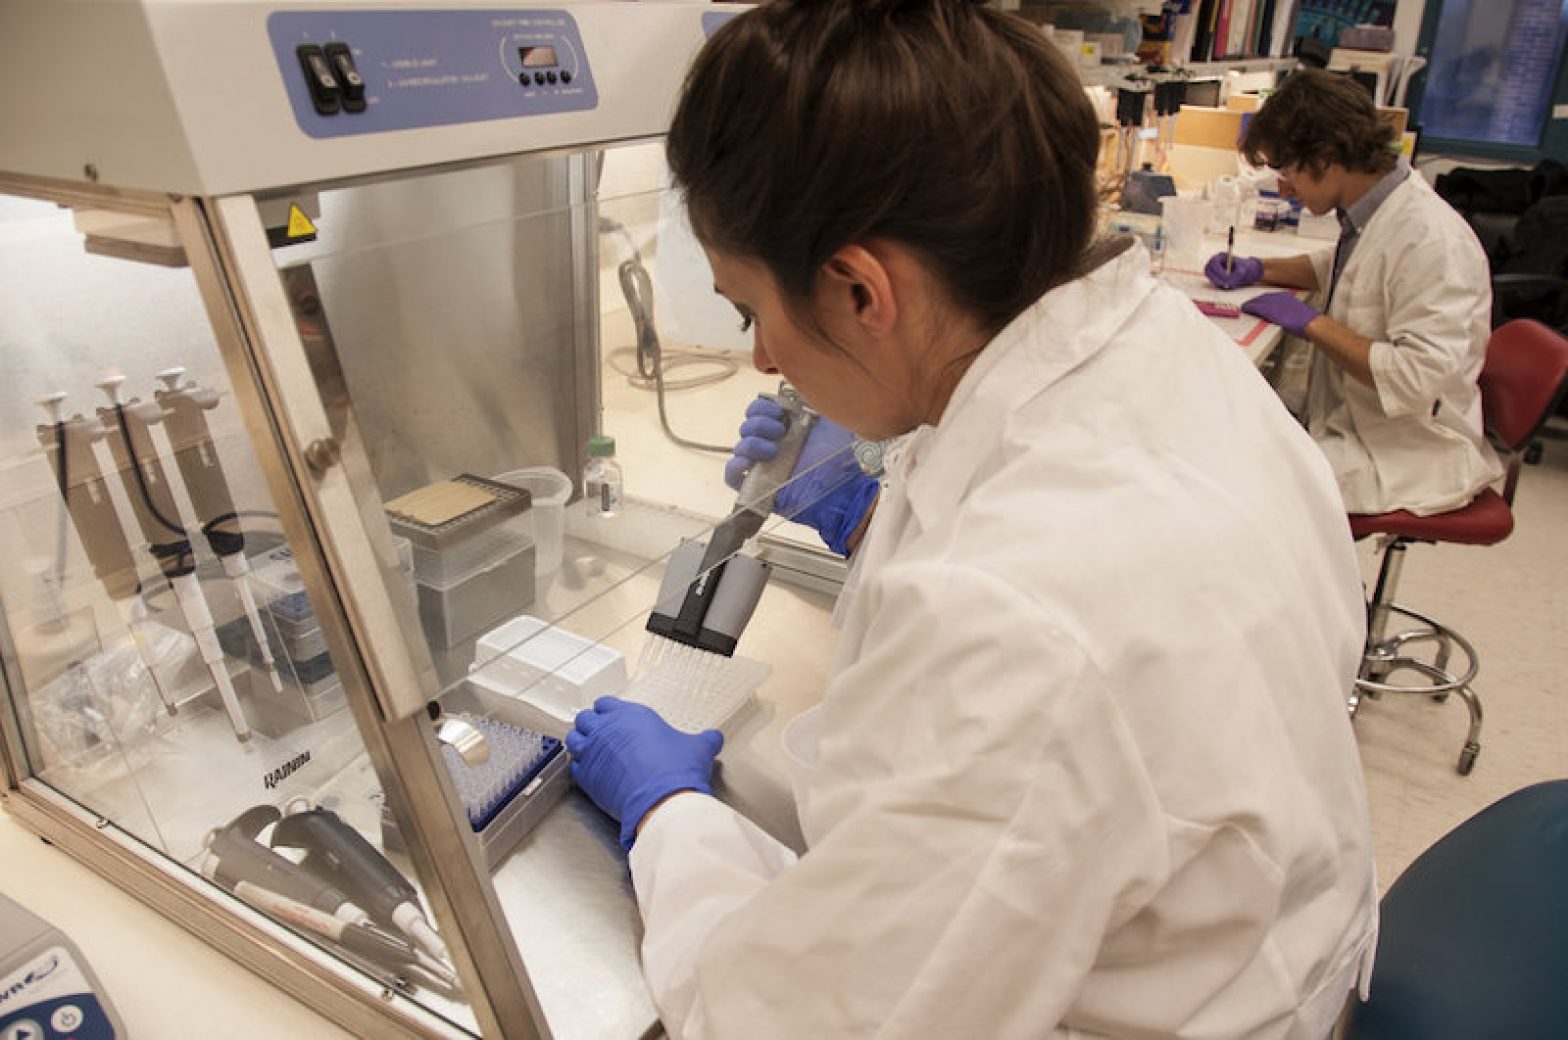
(1473, 936)
(1522, 382)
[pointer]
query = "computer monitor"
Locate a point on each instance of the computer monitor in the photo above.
(1203, 92)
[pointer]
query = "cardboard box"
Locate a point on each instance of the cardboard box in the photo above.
(1208, 127)
(1398, 118)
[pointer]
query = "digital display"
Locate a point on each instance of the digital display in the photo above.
(537, 57)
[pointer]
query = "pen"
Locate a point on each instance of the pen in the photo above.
(1230, 248)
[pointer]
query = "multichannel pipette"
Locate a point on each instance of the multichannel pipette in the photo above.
(185, 422)
(754, 502)
(338, 852)
(706, 600)
(68, 444)
(128, 431)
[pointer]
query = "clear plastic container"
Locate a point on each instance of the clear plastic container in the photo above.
(461, 560)
(1225, 196)
(1184, 220)
(550, 488)
(556, 671)
(1270, 213)
(453, 611)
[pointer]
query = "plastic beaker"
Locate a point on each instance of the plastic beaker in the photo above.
(1225, 196)
(549, 489)
(1185, 220)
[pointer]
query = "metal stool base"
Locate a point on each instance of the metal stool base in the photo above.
(1388, 657)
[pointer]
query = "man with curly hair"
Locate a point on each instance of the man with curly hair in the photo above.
(1406, 303)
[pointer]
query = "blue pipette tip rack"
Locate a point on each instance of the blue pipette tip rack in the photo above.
(517, 756)
(505, 796)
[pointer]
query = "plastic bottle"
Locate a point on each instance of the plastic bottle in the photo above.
(602, 482)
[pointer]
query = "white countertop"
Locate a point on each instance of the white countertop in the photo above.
(1257, 337)
(165, 983)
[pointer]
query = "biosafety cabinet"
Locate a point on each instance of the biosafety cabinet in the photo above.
(308, 312)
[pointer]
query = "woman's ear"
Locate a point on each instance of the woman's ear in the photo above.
(860, 283)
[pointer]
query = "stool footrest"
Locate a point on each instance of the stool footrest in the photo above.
(1387, 657)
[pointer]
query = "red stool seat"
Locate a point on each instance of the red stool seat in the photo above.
(1522, 382)
(1487, 520)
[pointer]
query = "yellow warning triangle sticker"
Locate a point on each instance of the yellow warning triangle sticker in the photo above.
(299, 224)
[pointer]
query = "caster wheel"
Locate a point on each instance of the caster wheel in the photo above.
(1467, 759)
(1441, 698)
(1532, 454)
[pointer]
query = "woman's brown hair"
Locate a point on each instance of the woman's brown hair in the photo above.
(949, 127)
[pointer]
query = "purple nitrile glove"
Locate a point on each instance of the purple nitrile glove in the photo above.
(826, 490)
(1244, 271)
(628, 759)
(1284, 310)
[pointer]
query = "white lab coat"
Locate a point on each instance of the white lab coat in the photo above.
(1086, 767)
(1419, 287)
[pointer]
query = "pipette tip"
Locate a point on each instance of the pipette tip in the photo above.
(426, 939)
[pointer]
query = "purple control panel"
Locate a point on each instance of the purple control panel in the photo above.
(365, 72)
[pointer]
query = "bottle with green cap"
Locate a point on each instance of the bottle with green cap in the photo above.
(602, 483)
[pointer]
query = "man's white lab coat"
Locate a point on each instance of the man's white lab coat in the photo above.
(1085, 765)
(1418, 286)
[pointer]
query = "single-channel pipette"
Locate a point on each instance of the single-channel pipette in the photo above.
(185, 422)
(68, 444)
(340, 854)
(128, 431)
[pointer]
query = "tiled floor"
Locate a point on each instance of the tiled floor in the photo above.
(1511, 601)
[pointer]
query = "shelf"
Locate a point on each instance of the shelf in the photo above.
(1202, 68)
(1114, 75)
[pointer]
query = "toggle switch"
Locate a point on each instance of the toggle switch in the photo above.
(325, 92)
(353, 84)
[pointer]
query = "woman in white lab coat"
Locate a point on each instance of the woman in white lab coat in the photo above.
(1085, 764)
(1392, 397)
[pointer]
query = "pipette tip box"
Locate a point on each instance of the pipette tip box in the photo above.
(474, 559)
(505, 796)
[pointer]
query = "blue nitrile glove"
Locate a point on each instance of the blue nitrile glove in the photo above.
(1244, 270)
(628, 759)
(1284, 310)
(826, 490)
